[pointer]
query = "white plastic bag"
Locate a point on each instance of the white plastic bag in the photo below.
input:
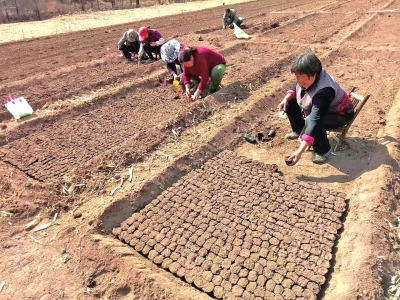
(240, 34)
(18, 107)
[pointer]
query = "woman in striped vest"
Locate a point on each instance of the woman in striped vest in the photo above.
(317, 103)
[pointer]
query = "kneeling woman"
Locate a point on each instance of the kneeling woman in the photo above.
(205, 63)
(324, 104)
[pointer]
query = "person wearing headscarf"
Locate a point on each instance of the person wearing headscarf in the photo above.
(169, 54)
(129, 43)
(205, 63)
(151, 41)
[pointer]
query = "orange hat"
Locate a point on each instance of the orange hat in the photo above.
(142, 33)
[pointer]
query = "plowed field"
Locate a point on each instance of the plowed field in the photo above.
(111, 146)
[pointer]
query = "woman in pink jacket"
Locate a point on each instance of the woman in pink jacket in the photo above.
(204, 63)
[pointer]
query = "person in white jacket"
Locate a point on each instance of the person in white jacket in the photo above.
(129, 43)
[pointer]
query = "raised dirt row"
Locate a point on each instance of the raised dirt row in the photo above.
(137, 117)
(80, 78)
(74, 78)
(49, 53)
(364, 53)
(53, 157)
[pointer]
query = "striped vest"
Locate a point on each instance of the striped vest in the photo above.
(324, 80)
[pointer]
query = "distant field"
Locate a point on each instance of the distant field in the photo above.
(12, 11)
(93, 19)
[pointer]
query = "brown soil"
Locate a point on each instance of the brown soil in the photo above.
(288, 224)
(100, 124)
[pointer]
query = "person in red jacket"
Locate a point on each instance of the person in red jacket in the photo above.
(205, 63)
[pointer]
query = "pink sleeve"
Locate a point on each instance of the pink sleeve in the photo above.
(291, 93)
(307, 138)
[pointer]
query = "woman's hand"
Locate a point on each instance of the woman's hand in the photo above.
(196, 95)
(282, 106)
(177, 77)
(295, 157)
(187, 92)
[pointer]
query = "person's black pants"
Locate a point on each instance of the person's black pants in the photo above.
(126, 50)
(330, 121)
(172, 67)
(150, 50)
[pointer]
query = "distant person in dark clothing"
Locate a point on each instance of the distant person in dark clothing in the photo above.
(129, 43)
(324, 104)
(151, 41)
(231, 17)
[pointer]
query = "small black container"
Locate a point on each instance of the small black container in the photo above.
(271, 133)
(288, 161)
(249, 138)
(260, 137)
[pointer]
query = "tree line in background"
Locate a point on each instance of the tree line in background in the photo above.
(28, 10)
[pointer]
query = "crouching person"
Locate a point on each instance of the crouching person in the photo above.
(230, 17)
(151, 41)
(317, 96)
(204, 63)
(129, 43)
(169, 54)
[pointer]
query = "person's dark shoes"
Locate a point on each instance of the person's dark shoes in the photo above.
(292, 136)
(149, 61)
(128, 61)
(320, 158)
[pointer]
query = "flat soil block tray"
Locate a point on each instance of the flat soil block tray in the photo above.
(236, 229)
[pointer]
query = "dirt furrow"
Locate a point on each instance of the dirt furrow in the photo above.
(133, 118)
(75, 81)
(136, 123)
(47, 53)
